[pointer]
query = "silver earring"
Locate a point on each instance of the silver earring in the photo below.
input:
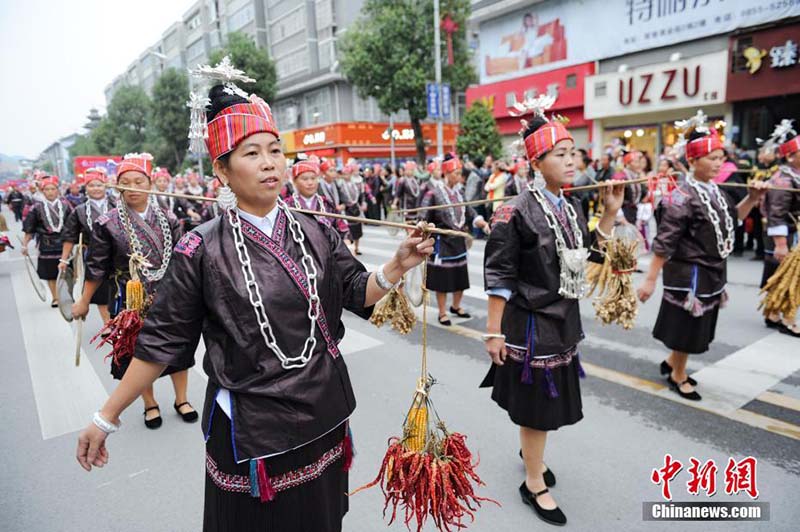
(538, 179)
(226, 199)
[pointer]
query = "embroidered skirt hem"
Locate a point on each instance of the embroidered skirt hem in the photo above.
(310, 483)
(680, 331)
(533, 405)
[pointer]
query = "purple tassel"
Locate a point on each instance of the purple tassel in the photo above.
(581, 373)
(551, 385)
(527, 371)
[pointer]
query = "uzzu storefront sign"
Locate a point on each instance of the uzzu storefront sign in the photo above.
(694, 82)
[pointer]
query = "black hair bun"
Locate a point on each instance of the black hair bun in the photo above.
(534, 125)
(694, 135)
(789, 136)
(221, 100)
(448, 156)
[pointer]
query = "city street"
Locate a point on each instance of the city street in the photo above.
(750, 382)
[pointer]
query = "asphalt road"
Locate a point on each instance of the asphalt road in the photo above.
(154, 481)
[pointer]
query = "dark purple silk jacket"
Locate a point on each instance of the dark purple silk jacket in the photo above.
(274, 410)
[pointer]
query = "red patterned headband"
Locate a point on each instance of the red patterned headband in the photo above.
(628, 157)
(139, 162)
(49, 180)
(703, 146)
(545, 138)
(790, 147)
(233, 124)
(95, 174)
(301, 167)
(326, 165)
(451, 165)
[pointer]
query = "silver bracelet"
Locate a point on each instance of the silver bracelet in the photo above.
(603, 234)
(63, 261)
(490, 336)
(383, 282)
(105, 426)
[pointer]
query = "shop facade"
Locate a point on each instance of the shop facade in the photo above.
(637, 107)
(366, 141)
(565, 83)
(763, 81)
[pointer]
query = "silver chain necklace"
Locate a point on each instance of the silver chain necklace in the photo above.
(461, 218)
(572, 262)
(103, 210)
(60, 226)
(415, 188)
(786, 169)
(724, 245)
(254, 292)
(136, 245)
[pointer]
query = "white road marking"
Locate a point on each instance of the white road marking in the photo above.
(742, 376)
(66, 395)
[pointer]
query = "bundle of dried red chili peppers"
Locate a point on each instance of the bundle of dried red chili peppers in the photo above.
(429, 471)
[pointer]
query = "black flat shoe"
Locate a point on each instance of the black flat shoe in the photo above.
(549, 477)
(666, 369)
(785, 329)
(156, 421)
(54, 304)
(459, 312)
(554, 517)
(676, 387)
(772, 324)
(188, 417)
(444, 320)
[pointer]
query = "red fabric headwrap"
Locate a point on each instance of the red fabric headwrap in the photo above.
(544, 139)
(451, 165)
(789, 147)
(326, 165)
(703, 146)
(98, 173)
(161, 172)
(305, 166)
(49, 180)
(140, 162)
(235, 123)
(630, 156)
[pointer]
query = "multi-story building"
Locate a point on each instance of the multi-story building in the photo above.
(625, 71)
(317, 110)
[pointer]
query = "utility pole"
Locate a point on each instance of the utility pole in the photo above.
(391, 137)
(437, 48)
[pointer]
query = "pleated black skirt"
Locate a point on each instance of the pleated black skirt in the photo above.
(100, 296)
(356, 231)
(682, 332)
(310, 482)
(47, 268)
(447, 278)
(534, 405)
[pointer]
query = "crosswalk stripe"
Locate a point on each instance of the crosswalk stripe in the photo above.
(740, 377)
(66, 395)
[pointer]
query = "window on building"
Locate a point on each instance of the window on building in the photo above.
(175, 62)
(325, 54)
(323, 10)
(195, 50)
(171, 41)
(241, 18)
(287, 115)
(600, 89)
(572, 81)
(194, 21)
(292, 63)
(739, 61)
(293, 22)
(317, 108)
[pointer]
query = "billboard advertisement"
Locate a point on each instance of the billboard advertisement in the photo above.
(84, 162)
(559, 33)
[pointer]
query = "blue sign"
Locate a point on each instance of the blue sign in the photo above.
(446, 100)
(433, 100)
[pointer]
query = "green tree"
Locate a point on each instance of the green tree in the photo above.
(169, 119)
(124, 128)
(253, 60)
(478, 135)
(388, 55)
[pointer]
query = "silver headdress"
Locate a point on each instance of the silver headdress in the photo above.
(205, 75)
(699, 122)
(531, 106)
(779, 135)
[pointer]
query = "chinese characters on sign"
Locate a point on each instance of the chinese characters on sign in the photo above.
(739, 476)
(644, 10)
(781, 56)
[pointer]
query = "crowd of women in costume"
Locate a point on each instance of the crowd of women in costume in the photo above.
(278, 400)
